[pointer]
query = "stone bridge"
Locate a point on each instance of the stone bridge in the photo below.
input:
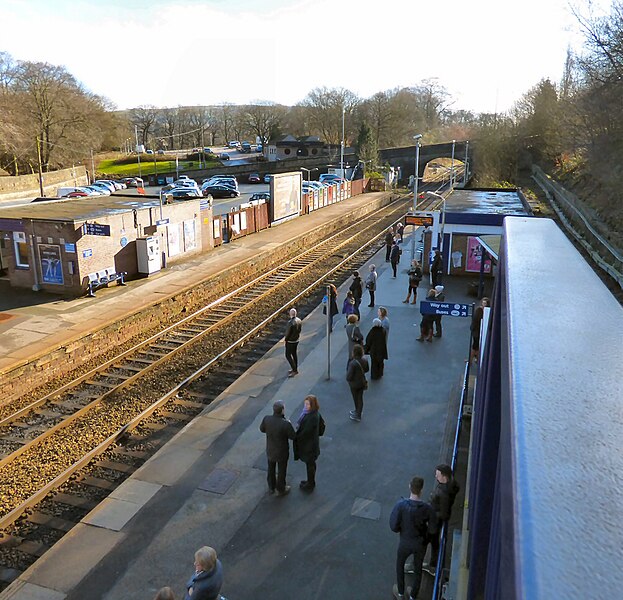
(405, 157)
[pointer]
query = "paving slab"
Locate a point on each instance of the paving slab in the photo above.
(22, 590)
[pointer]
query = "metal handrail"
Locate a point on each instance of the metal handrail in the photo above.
(437, 585)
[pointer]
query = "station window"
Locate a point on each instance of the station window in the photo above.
(21, 249)
(286, 151)
(314, 151)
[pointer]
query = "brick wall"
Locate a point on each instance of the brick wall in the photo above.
(27, 186)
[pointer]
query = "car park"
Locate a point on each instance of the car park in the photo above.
(218, 190)
(254, 178)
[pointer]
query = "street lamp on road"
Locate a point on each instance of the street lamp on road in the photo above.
(417, 139)
(452, 167)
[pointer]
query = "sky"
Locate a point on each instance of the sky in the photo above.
(485, 53)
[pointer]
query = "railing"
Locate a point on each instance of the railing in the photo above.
(438, 584)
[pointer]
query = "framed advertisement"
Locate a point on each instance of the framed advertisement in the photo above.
(190, 235)
(173, 238)
(51, 265)
(474, 256)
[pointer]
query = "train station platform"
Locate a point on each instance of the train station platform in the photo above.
(35, 323)
(207, 486)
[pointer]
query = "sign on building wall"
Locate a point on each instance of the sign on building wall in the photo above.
(190, 235)
(173, 238)
(51, 265)
(474, 256)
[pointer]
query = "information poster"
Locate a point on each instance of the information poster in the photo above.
(190, 235)
(173, 238)
(474, 256)
(51, 265)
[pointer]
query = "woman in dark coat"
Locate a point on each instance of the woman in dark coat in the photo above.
(307, 440)
(334, 310)
(376, 347)
(206, 583)
(356, 377)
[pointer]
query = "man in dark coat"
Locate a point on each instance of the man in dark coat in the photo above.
(376, 347)
(394, 257)
(389, 238)
(356, 287)
(441, 499)
(415, 521)
(293, 332)
(439, 297)
(436, 268)
(278, 432)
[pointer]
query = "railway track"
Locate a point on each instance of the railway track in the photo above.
(82, 440)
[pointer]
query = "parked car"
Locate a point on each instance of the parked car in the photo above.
(78, 194)
(260, 196)
(218, 190)
(207, 150)
(233, 144)
(122, 184)
(96, 191)
(108, 184)
(228, 180)
(184, 193)
(160, 152)
(223, 156)
(245, 147)
(254, 178)
(259, 148)
(149, 151)
(267, 177)
(330, 178)
(133, 182)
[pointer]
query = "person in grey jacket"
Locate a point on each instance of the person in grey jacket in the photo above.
(279, 432)
(293, 333)
(207, 581)
(371, 283)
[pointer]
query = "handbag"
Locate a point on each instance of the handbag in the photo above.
(357, 336)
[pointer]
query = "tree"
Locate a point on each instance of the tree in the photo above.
(143, 118)
(324, 109)
(263, 120)
(367, 148)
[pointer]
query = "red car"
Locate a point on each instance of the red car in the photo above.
(254, 178)
(77, 195)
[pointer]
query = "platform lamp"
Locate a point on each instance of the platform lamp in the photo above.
(417, 139)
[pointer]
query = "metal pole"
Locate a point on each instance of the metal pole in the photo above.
(443, 222)
(342, 147)
(466, 159)
(40, 171)
(415, 189)
(329, 317)
(138, 154)
(452, 167)
(160, 197)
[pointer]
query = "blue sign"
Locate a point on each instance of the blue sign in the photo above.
(87, 253)
(95, 229)
(452, 309)
(123, 241)
(70, 248)
(162, 222)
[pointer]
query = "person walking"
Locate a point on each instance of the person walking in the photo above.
(353, 335)
(383, 318)
(348, 306)
(436, 269)
(389, 239)
(356, 287)
(278, 432)
(479, 312)
(376, 348)
(441, 499)
(426, 324)
(293, 333)
(306, 446)
(332, 301)
(207, 580)
(415, 521)
(356, 377)
(394, 257)
(415, 276)
(371, 283)
(439, 297)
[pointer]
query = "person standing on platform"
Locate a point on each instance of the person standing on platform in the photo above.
(389, 239)
(439, 297)
(376, 347)
(293, 333)
(416, 522)
(348, 306)
(353, 335)
(278, 432)
(426, 324)
(400, 231)
(356, 377)
(415, 276)
(383, 318)
(165, 593)
(356, 287)
(436, 269)
(207, 581)
(371, 283)
(441, 499)
(479, 312)
(332, 301)
(306, 446)
(394, 257)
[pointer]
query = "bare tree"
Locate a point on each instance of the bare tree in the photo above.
(144, 118)
(263, 120)
(324, 107)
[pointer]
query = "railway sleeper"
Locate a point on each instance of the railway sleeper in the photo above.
(9, 575)
(115, 466)
(189, 403)
(39, 518)
(105, 384)
(177, 416)
(75, 501)
(96, 482)
(132, 368)
(32, 548)
(143, 361)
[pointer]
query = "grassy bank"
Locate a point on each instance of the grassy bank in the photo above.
(114, 169)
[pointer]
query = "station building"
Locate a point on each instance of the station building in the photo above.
(54, 246)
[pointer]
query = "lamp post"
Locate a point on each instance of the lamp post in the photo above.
(342, 145)
(465, 167)
(452, 167)
(138, 153)
(417, 139)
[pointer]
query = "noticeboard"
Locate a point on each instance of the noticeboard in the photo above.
(451, 309)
